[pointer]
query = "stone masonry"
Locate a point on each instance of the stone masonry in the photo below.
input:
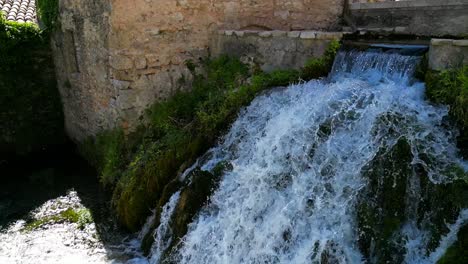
(114, 58)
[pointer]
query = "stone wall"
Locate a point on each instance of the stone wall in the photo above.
(448, 54)
(417, 17)
(80, 47)
(273, 50)
(120, 56)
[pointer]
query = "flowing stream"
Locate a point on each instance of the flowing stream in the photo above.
(297, 157)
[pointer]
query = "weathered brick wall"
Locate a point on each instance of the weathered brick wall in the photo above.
(131, 53)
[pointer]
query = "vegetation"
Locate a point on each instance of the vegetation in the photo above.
(30, 108)
(381, 208)
(81, 217)
(318, 67)
(48, 11)
(141, 167)
(451, 88)
(457, 253)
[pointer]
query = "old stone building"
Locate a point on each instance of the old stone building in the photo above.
(116, 57)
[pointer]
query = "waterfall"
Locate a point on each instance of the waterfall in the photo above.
(162, 235)
(297, 157)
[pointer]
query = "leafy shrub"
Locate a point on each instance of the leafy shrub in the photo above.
(48, 11)
(320, 67)
(451, 87)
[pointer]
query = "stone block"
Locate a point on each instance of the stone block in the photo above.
(239, 33)
(401, 30)
(120, 85)
(441, 42)
(461, 42)
(119, 62)
(265, 34)
(294, 34)
(140, 63)
(329, 35)
(278, 33)
(308, 35)
(126, 99)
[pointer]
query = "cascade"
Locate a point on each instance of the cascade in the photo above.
(346, 169)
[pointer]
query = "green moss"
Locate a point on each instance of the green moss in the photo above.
(31, 115)
(178, 131)
(381, 208)
(451, 88)
(320, 67)
(107, 152)
(82, 217)
(445, 201)
(48, 11)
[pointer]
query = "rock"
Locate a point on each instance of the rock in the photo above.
(308, 35)
(294, 34)
(278, 33)
(461, 42)
(439, 42)
(121, 62)
(265, 34)
(140, 63)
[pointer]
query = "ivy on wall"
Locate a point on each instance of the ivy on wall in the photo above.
(31, 115)
(48, 11)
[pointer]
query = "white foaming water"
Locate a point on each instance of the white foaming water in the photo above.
(162, 235)
(418, 239)
(297, 155)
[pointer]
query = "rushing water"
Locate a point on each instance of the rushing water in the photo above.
(297, 156)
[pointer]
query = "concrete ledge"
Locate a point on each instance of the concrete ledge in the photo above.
(431, 18)
(407, 4)
(326, 35)
(448, 53)
(274, 49)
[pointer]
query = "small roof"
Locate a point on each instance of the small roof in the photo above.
(19, 10)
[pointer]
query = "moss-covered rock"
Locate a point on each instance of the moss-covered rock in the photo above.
(457, 253)
(381, 210)
(82, 217)
(192, 199)
(394, 185)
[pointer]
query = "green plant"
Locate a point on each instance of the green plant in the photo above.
(81, 217)
(31, 115)
(451, 88)
(48, 11)
(179, 130)
(320, 67)
(107, 152)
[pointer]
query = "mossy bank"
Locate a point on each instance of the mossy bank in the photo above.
(450, 87)
(139, 166)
